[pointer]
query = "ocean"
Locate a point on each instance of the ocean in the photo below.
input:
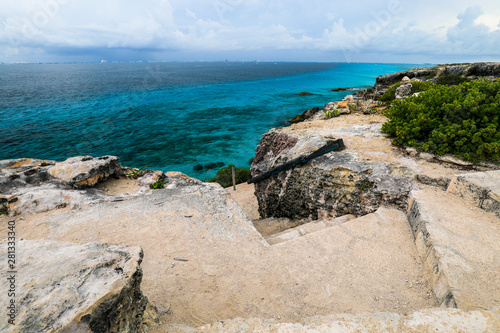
(168, 116)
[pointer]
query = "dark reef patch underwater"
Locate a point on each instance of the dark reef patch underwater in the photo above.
(169, 116)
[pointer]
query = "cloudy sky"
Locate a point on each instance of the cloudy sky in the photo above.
(426, 31)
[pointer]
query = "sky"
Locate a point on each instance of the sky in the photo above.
(388, 31)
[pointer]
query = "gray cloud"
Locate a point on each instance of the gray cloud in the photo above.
(307, 30)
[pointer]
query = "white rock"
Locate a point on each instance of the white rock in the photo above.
(65, 287)
(82, 171)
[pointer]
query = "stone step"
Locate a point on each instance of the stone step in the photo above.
(460, 247)
(480, 188)
(274, 225)
(426, 320)
(306, 228)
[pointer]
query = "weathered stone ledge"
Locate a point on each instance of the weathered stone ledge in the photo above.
(426, 320)
(460, 247)
(67, 287)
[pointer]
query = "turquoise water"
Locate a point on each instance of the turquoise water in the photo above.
(169, 116)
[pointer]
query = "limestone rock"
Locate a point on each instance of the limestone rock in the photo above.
(453, 160)
(84, 171)
(27, 186)
(405, 80)
(330, 106)
(152, 177)
(459, 246)
(471, 71)
(178, 178)
(403, 91)
(343, 104)
(25, 173)
(46, 198)
(342, 107)
(304, 116)
(67, 287)
(426, 320)
(332, 185)
(480, 188)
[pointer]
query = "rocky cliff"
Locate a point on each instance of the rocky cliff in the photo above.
(469, 71)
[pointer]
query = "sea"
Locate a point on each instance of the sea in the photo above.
(192, 117)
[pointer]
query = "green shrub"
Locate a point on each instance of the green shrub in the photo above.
(451, 80)
(462, 120)
(390, 94)
(416, 86)
(419, 86)
(225, 177)
(157, 185)
(431, 75)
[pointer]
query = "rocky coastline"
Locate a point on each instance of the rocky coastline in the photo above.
(371, 236)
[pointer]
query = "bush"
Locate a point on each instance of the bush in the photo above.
(157, 185)
(390, 94)
(451, 80)
(462, 120)
(225, 177)
(416, 86)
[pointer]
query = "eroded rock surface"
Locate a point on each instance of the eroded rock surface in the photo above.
(334, 184)
(85, 171)
(480, 188)
(28, 186)
(472, 71)
(426, 320)
(68, 287)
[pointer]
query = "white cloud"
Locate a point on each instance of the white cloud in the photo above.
(389, 27)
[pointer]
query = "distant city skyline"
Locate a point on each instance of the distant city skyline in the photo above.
(389, 31)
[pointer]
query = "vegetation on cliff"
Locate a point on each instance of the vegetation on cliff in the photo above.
(224, 176)
(462, 120)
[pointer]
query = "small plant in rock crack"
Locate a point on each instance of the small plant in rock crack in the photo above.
(365, 185)
(157, 185)
(134, 173)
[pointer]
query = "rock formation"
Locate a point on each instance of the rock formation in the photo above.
(304, 116)
(30, 186)
(67, 287)
(335, 184)
(470, 71)
(85, 171)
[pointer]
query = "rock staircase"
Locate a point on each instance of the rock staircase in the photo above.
(305, 229)
(457, 236)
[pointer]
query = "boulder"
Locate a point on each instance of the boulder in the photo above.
(152, 177)
(403, 91)
(330, 106)
(342, 107)
(343, 104)
(304, 116)
(22, 173)
(68, 287)
(334, 184)
(405, 80)
(85, 171)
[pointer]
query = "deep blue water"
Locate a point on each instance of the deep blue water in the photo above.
(169, 116)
